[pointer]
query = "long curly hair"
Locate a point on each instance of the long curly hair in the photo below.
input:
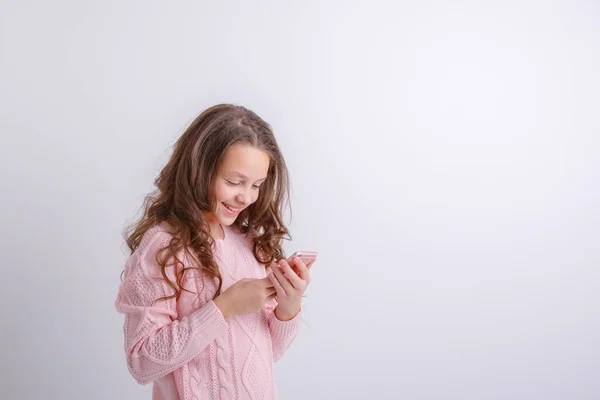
(185, 190)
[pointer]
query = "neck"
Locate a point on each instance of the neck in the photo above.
(216, 230)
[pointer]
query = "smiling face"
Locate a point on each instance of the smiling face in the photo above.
(237, 184)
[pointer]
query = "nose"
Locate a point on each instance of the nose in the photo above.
(244, 197)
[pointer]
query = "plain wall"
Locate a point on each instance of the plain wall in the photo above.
(445, 165)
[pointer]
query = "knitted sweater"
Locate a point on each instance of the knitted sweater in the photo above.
(186, 347)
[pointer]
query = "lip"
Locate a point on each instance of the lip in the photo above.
(230, 212)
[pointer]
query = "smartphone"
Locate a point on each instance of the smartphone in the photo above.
(307, 257)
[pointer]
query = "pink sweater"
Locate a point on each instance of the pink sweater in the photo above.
(185, 347)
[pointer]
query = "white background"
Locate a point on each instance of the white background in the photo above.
(445, 162)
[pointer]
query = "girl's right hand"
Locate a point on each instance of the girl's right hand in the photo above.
(245, 296)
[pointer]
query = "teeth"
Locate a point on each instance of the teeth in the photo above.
(231, 208)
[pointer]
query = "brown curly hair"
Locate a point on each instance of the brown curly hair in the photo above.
(185, 189)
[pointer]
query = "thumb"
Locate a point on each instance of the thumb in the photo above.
(266, 282)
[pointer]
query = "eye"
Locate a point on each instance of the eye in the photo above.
(256, 186)
(233, 183)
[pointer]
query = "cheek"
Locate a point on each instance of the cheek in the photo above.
(223, 193)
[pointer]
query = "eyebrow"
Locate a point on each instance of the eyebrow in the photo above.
(245, 177)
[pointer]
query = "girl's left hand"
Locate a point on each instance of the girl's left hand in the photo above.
(290, 287)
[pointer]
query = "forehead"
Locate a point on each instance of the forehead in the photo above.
(247, 160)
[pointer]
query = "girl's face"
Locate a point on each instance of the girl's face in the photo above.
(243, 170)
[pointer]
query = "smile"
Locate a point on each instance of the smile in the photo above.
(232, 209)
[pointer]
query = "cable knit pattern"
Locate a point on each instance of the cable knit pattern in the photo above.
(197, 374)
(195, 381)
(224, 369)
(185, 346)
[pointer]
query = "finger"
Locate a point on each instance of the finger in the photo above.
(279, 278)
(302, 268)
(278, 288)
(270, 289)
(311, 263)
(266, 282)
(283, 281)
(293, 277)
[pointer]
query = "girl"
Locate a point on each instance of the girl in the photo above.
(207, 310)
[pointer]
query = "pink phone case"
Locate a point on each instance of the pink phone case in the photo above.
(305, 256)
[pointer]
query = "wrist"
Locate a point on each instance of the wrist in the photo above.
(286, 314)
(223, 306)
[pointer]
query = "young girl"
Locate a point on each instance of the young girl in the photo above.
(207, 309)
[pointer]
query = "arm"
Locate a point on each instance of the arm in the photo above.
(285, 316)
(157, 341)
(283, 333)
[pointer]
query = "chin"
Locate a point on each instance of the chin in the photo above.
(226, 220)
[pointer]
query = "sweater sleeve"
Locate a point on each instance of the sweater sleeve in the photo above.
(157, 340)
(283, 333)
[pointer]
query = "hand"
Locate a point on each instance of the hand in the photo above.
(310, 263)
(290, 286)
(245, 296)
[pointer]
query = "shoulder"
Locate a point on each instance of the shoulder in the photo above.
(145, 256)
(155, 238)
